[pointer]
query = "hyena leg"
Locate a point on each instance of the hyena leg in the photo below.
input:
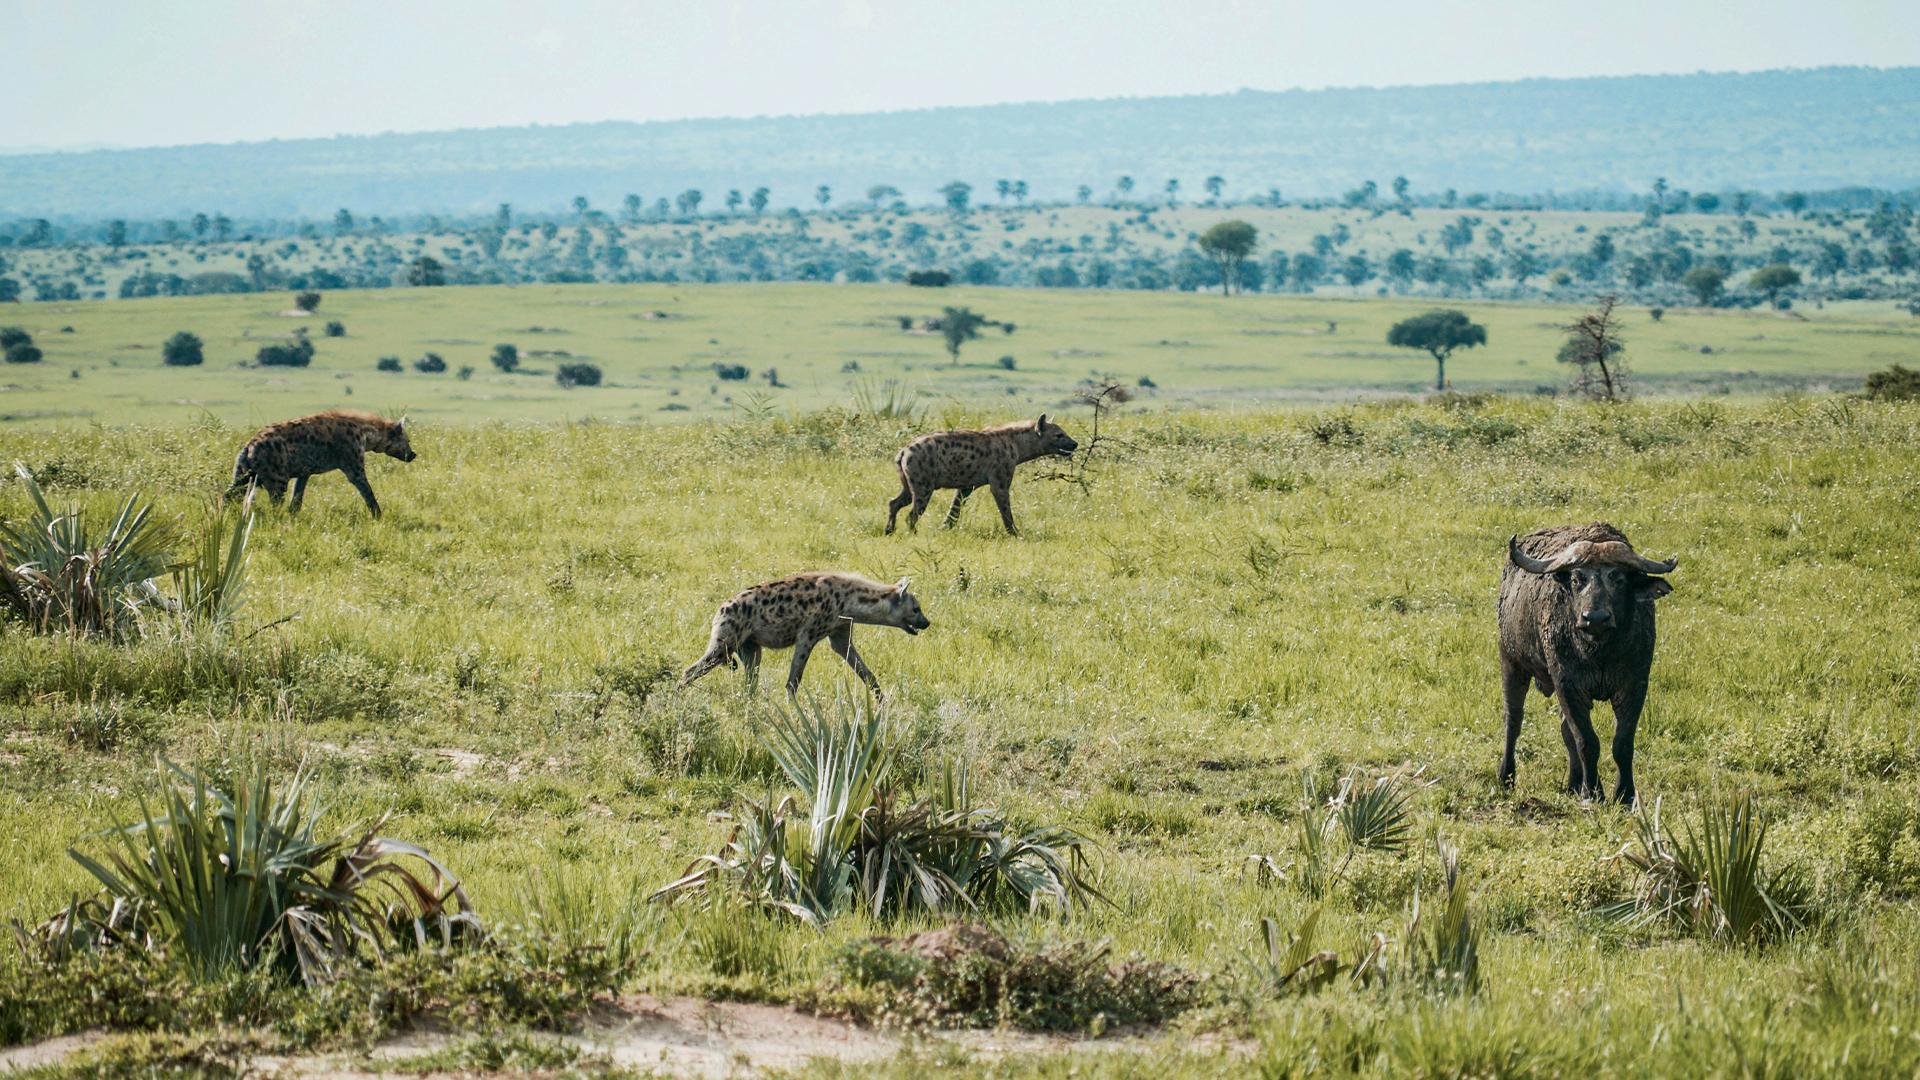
(1003, 498)
(920, 500)
(898, 504)
(802, 648)
(749, 653)
(842, 642)
(357, 476)
(299, 493)
(959, 499)
(276, 490)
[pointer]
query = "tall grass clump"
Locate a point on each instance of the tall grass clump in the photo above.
(62, 575)
(1709, 880)
(856, 837)
(245, 880)
(210, 583)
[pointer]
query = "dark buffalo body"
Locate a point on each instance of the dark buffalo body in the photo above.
(1577, 621)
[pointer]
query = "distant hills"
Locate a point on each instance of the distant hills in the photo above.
(1767, 131)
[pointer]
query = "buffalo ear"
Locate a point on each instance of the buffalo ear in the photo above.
(1653, 588)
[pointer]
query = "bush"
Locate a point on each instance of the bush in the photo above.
(308, 301)
(388, 363)
(970, 976)
(465, 372)
(1710, 882)
(336, 328)
(24, 354)
(1008, 363)
(432, 364)
(579, 375)
(296, 353)
(182, 350)
(731, 372)
(74, 582)
(13, 335)
(1896, 383)
(505, 357)
(930, 279)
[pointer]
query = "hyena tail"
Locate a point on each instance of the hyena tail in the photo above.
(719, 651)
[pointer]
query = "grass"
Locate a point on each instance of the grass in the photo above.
(1235, 603)
(841, 345)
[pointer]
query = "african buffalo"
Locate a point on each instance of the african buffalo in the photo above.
(1576, 620)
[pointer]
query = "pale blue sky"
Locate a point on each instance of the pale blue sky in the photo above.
(147, 72)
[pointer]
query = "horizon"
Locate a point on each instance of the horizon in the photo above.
(88, 148)
(192, 76)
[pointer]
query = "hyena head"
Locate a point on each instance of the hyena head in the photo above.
(1054, 438)
(903, 610)
(391, 440)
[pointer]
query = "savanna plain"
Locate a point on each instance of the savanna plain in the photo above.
(1242, 653)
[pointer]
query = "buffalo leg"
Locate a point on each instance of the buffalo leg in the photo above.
(1626, 721)
(1583, 746)
(1514, 683)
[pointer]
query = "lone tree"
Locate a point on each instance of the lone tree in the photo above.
(506, 357)
(959, 326)
(1772, 279)
(182, 350)
(1439, 333)
(1705, 282)
(426, 272)
(1228, 244)
(307, 301)
(956, 193)
(1597, 352)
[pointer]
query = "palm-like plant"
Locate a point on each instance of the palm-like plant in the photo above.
(1710, 880)
(235, 881)
(1444, 949)
(211, 581)
(61, 577)
(855, 836)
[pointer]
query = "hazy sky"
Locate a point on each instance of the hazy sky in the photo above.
(151, 72)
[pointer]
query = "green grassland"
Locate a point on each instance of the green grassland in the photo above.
(832, 344)
(1236, 600)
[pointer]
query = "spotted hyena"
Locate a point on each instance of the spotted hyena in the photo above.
(969, 459)
(799, 611)
(296, 449)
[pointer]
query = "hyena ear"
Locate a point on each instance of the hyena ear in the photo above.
(1040, 423)
(901, 586)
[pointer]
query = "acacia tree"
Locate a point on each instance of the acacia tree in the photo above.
(1228, 244)
(956, 193)
(959, 326)
(758, 202)
(1439, 333)
(1705, 282)
(1772, 279)
(1597, 352)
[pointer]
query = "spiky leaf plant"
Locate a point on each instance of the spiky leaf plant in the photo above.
(1293, 965)
(62, 577)
(1710, 881)
(235, 881)
(856, 837)
(1376, 816)
(1443, 948)
(210, 583)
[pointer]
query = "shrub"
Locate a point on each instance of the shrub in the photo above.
(387, 363)
(505, 357)
(930, 279)
(1896, 383)
(59, 576)
(182, 350)
(1008, 363)
(24, 354)
(336, 328)
(1710, 882)
(970, 976)
(431, 364)
(731, 372)
(856, 838)
(578, 375)
(13, 335)
(307, 301)
(296, 353)
(465, 372)
(241, 881)
(1656, 313)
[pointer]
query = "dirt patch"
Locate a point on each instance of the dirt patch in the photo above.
(46, 1053)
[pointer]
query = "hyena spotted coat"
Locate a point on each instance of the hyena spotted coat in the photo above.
(293, 450)
(969, 459)
(800, 611)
